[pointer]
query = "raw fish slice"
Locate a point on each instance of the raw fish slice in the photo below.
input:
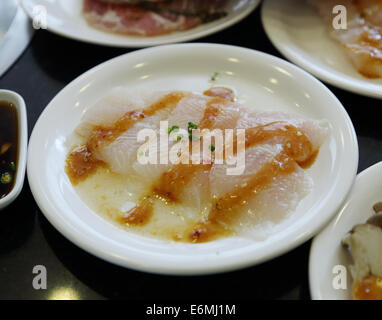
(274, 150)
(316, 131)
(269, 134)
(261, 215)
(111, 108)
(362, 39)
(185, 184)
(222, 183)
(122, 153)
(116, 144)
(192, 109)
(278, 199)
(197, 193)
(189, 183)
(189, 109)
(229, 116)
(267, 169)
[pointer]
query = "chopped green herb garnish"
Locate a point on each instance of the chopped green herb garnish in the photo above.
(212, 147)
(214, 76)
(141, 153)
(6, 178)
(13, 166)
(173, 128)
(191, 126)
(370, 26)
(178, 138)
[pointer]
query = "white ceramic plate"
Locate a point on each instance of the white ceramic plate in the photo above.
(263, 81)
(327, 252)
(299, 34)
(64, 18)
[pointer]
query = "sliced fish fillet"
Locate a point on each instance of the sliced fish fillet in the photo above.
(362, 39)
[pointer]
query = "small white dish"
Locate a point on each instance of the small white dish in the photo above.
(18, 102)
(260, 80)
(326, 251)
(64, 17)
(297, 31)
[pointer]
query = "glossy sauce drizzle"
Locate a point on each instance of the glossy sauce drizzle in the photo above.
(297, 150)
(81, 162)
(140, 215)
(171, 184)
(221, 92)
(370, 288)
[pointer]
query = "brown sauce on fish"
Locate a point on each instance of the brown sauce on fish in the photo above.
(368, 47)
(297, 150)
(140, 215)
(221, 92)
(295, 143)
(173, 181)
(224, 211)
(81, 162)
(9, 141)
(171, 184)
(370, 288)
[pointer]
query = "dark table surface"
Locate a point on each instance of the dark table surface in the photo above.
(27, 239)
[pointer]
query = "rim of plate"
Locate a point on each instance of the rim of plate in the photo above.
(219, 264)
(360, 180)
(176, 37)
(291, 52)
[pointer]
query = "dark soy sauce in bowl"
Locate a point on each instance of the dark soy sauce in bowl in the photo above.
(9, 140)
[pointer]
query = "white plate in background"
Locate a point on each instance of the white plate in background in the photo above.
(15, 33)
(263, 82)
(327, 252)
(298, 32)
(64, 17)
(8, 9)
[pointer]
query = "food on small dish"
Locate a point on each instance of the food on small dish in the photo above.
(192, 201)
(364, 243)
(151, 18)
(8, 147)
(362, 38)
